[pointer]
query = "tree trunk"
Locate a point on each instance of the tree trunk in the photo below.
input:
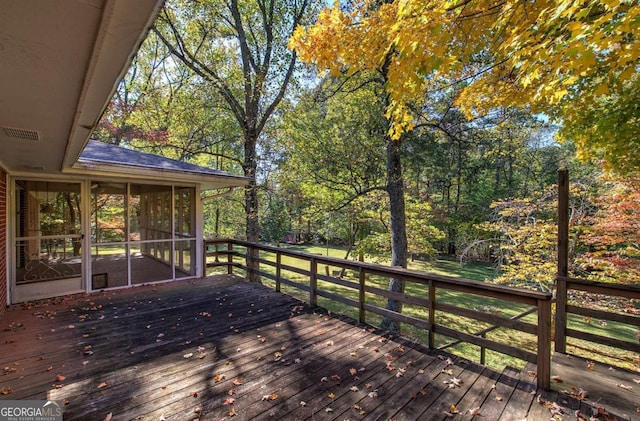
(251, 204)
(395, 189)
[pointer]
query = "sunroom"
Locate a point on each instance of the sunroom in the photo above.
(93, 229)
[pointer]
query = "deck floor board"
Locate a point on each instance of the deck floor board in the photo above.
(221, 348)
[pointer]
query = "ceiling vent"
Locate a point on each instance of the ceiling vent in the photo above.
(22, 133)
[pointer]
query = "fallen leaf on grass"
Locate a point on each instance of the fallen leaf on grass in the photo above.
(102, 385)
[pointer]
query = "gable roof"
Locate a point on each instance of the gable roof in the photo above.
(100, 158)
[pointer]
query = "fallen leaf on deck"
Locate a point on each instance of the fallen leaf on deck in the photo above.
(498, 398)
(335, 378)
(108, 417)
(636, 381)
(557, 379)
(270, 397)
(197, 410)
(373, 394)
(201, 356)
(332, 395)
(353, 371)
(218, 377)
(328, 410)
(447, 371)
(447, 414)
(324, 379)
(231, 391)
(297, 361)
(60, 378)
(421, 371)
(475, 412)
(237, 381)
(625, 387)
(303, 403)
(591, 365)
(329, 343)
(194, 394)
(189, 355)
(5, 391)
(453, 409)
(367, 385)
(229, 401)
(354, 388)
(102, 385)
(232, 412)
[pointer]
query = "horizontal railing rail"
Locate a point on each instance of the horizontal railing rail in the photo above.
(563, 309)
(431, 320)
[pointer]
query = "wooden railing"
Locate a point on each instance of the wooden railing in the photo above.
(224, 251)
(605, 290)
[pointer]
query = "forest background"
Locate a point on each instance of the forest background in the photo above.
(344, 157)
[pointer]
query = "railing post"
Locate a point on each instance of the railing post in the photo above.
(544, 344)
(230, 258)
(205, 250)
(563, 261)
(313, 283)
(278, 270)
(483, 351)
(362, 279)
(432, 313)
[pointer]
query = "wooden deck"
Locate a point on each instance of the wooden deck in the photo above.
(220, 348)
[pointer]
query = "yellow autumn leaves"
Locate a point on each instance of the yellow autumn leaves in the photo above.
(541, 54)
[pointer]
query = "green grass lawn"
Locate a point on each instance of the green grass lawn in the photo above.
(474, 271)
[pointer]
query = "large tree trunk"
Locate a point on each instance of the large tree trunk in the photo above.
(395, 189)
(251, 204)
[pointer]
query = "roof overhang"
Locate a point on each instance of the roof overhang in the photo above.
(60, 62)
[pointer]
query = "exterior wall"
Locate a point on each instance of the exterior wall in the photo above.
(3, 242)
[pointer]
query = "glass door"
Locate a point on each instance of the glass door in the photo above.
(48, 240)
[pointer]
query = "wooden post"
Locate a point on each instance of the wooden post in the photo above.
(278, 270)
(563, 262)
(205, 249)
(362, 279)
(230, 258)
(432, 313)
(544, 344)
(483, 351)
(313, 283)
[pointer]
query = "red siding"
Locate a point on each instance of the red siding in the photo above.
(3, 242)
